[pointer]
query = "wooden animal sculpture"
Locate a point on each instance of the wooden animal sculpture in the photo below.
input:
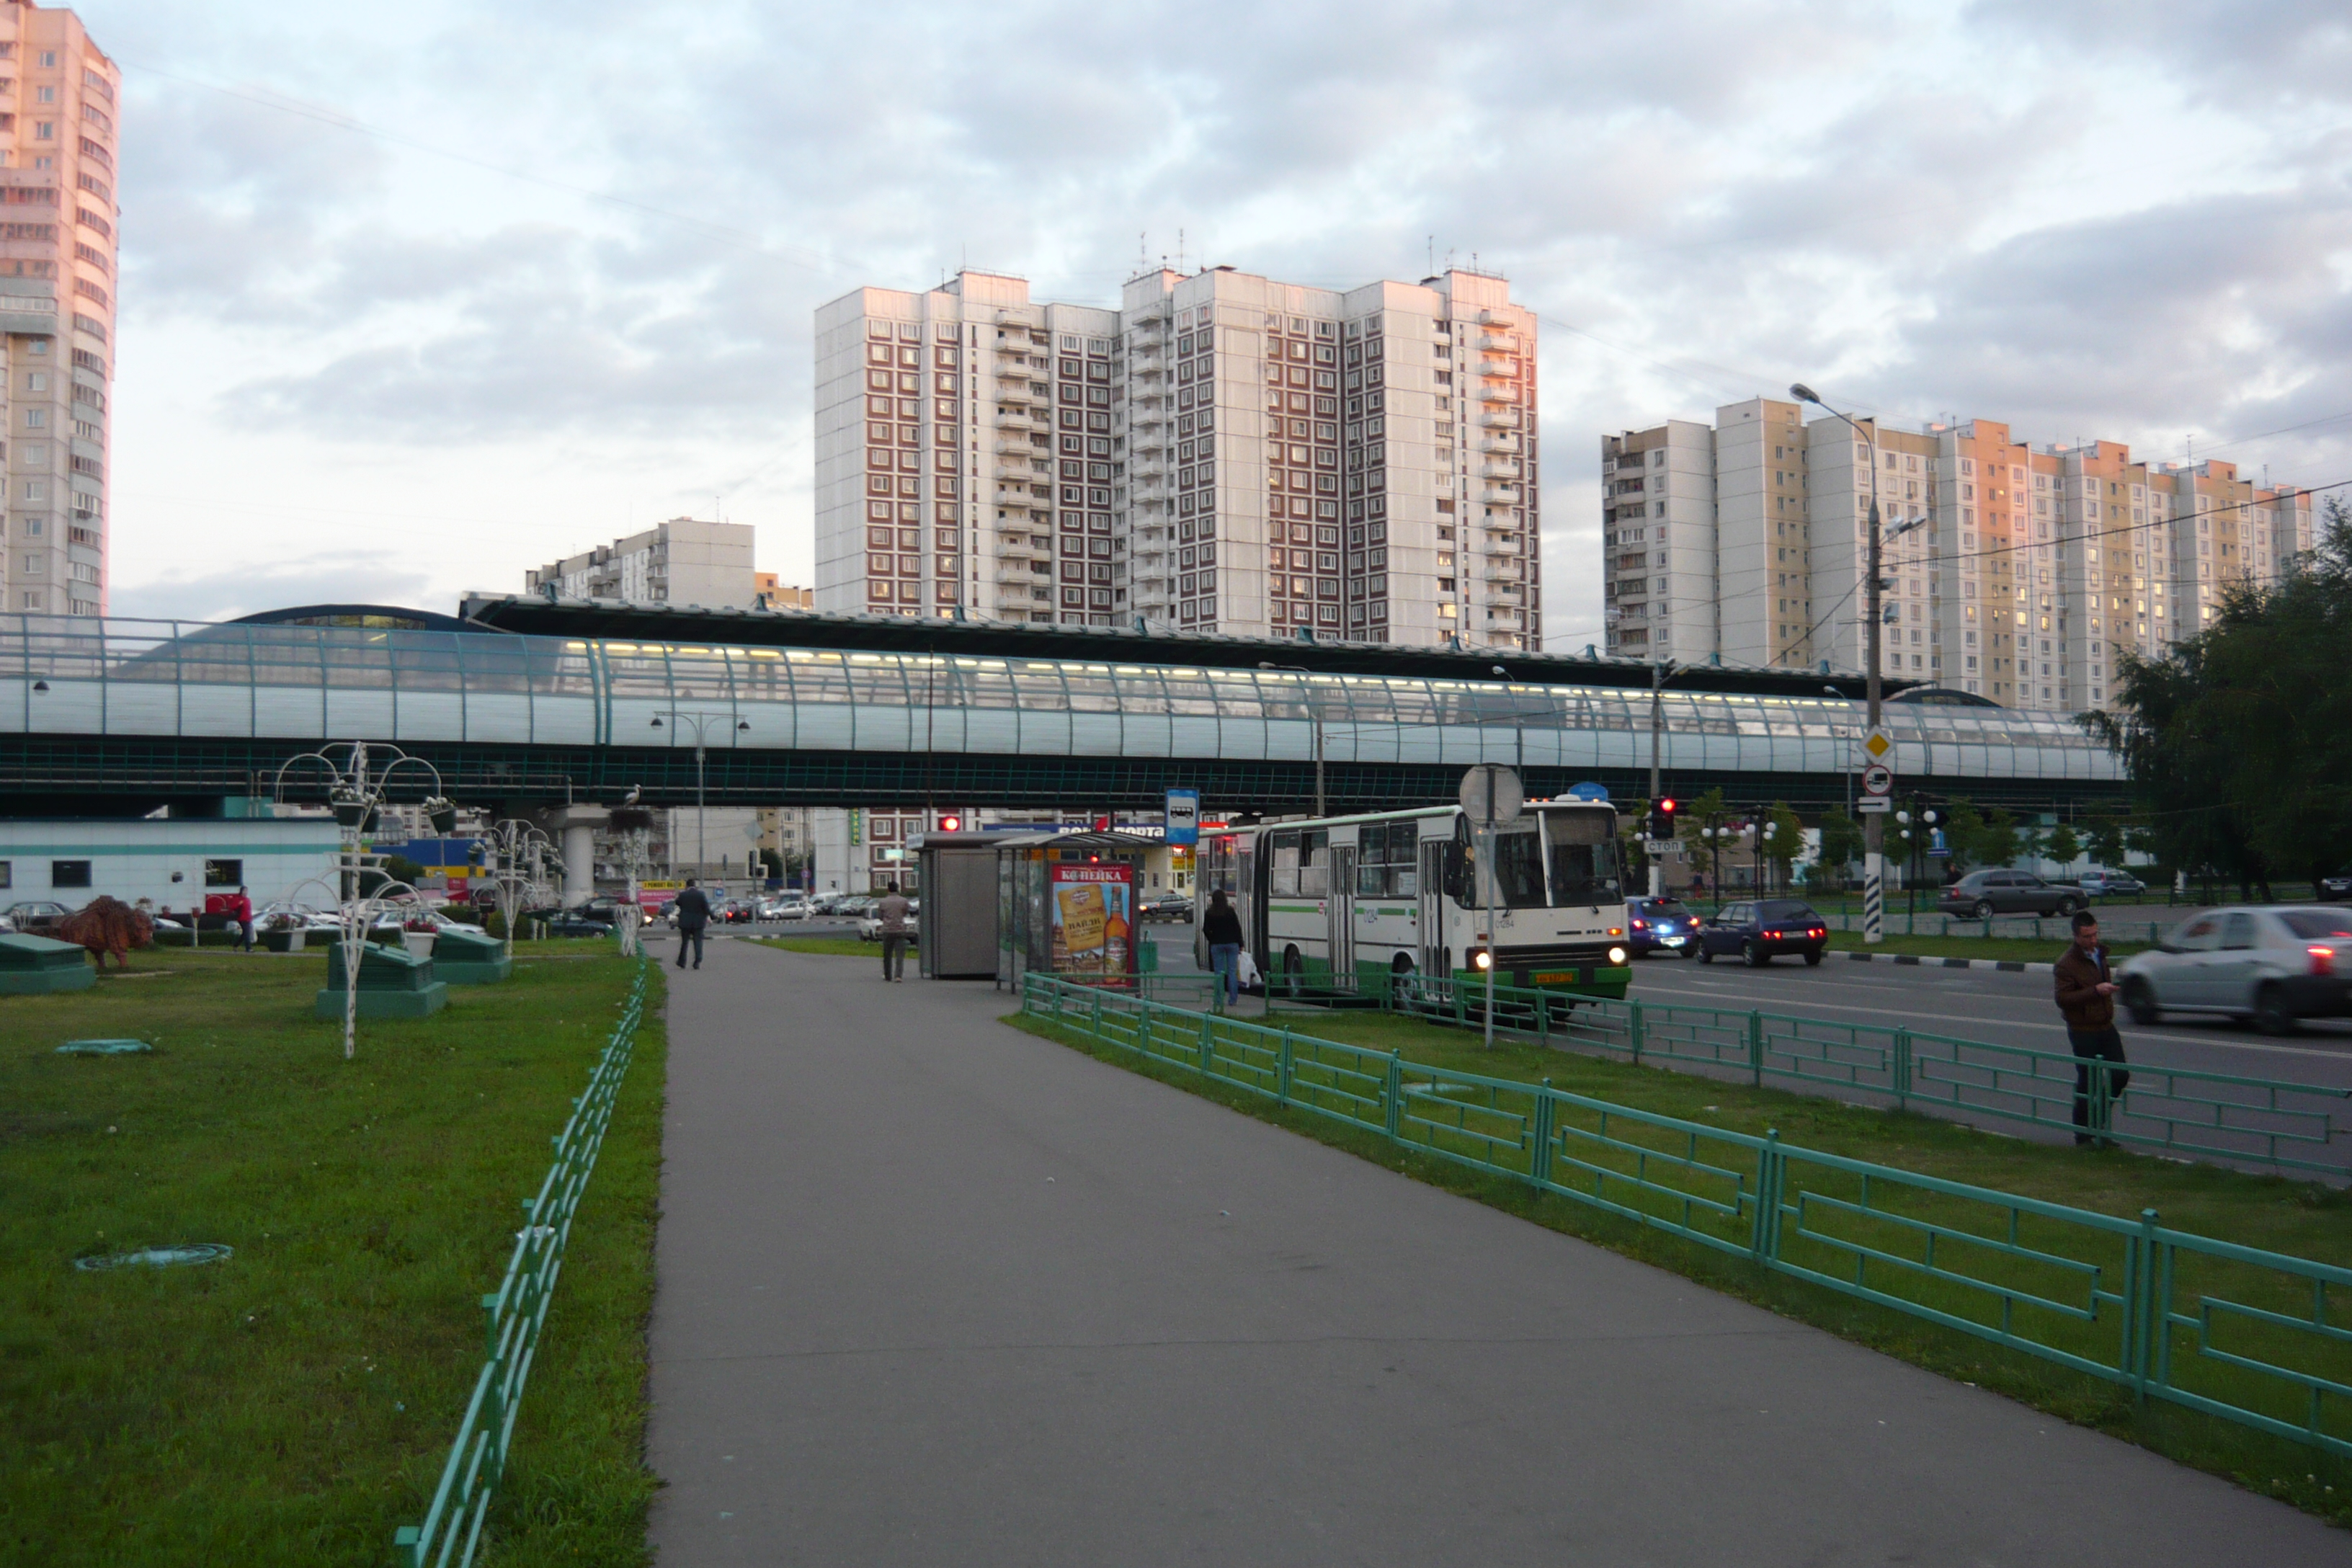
(107, 925)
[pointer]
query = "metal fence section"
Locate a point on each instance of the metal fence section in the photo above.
(2188, 1113)
(2254, 1337)
(451, 1535)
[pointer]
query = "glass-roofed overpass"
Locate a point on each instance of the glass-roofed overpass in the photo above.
(134, 713)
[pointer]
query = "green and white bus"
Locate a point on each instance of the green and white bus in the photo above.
(1397, 893)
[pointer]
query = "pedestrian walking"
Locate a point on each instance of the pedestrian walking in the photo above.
(1221, 928)
(2086, 998)
(893, 912)
(240, 910)
(692, 912)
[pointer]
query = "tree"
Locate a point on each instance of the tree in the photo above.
(2103, 841)
(1700, 817)
(1998, 839)
(2239, 740)
(1842, 842)
(2059, 844)
(1784, 840)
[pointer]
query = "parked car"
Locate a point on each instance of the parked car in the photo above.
(1664, 924)
(37, 917)
(2335, 890)
(869, 928)
(2274, 964)
(1759, 931)
(782, 908)
(1983, 894)
(1169, 906)
(570, 923)
(2110, 884)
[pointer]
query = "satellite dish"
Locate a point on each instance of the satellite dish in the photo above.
(1491, 794)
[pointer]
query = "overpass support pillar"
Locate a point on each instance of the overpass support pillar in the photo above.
(577, 826)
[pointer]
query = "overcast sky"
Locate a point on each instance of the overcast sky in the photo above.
(417, 297)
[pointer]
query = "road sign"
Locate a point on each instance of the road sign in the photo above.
(1936, 845)
(1183, 817)
(1878, 779)
(1491, 793)
(1878, 746)
(1873, 803)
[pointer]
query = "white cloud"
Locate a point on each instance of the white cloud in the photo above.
(2094, 221)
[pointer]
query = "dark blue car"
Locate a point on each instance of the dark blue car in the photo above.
(1757, 931)
(1662, 925)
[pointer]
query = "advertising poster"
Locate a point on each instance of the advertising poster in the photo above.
(1093, 910)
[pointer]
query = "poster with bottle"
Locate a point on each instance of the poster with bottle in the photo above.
(1094, 918)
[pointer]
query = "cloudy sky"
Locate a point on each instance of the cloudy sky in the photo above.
(416, 297)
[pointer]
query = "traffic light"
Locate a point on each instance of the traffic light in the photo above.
(950, 824)
(1662, 818)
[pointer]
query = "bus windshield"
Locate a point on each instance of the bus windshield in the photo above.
(1583, 857)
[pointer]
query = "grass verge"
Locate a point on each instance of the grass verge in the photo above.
(295, 1403)
(2023, 950)
(2300, 1218)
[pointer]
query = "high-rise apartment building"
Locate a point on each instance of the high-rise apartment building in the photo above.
(58, 219)
(2012, 572)
(681, 562)
(1223, 453)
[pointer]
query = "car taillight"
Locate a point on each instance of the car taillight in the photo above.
(2322, 959)
(1641, 925)
(1817, 931)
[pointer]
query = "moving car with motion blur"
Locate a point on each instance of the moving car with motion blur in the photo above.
(1661, 925)
(2274, 965)
(1758, 932)
(1165, 906)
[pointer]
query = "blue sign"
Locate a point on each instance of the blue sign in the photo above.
(1936, 845)
(1588, 792)
(1183, 817)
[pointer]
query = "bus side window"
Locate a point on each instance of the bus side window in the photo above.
(1372, 856)
(1285, 878)
(1315, 864)
(1458, 879)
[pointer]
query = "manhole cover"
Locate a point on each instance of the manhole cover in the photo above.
(103, 1047)
(156, 1257)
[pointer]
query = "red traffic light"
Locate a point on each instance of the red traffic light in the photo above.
(1667, 806)
(950, 824)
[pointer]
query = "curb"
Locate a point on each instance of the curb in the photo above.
(2011, 965)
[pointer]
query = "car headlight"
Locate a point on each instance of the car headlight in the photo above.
(1481, 959)
(1616, 955)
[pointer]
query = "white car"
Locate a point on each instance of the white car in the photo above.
(2274, 964)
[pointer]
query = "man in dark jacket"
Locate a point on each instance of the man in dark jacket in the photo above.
(2087, 998)
(1221, 929)
(692, 912)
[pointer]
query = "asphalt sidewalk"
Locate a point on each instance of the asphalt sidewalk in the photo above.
(931, 1290)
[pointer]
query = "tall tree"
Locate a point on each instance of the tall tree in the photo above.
(2059, 844)
(1784, 840)
(1842, 842)
(2239, 740)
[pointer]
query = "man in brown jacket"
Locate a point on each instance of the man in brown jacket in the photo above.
(2086, 998)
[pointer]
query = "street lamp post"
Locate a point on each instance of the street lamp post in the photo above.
(701, 723)
(1659, 672)
(1874, 827)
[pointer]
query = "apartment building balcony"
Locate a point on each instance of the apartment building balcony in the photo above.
(1021, 450)
(1500, 495)
(1017, 420)
(1489, 393)
(1015, 392)
(1499, 343)
(1496, 367)
(1508, 473)
(1018, 370)
(1499, 443)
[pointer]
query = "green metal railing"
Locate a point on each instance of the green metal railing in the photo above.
(2272, 1123)
(2254, 1337)
(2035, 928)
(452, 1532)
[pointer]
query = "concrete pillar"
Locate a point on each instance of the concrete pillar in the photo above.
(574, 828)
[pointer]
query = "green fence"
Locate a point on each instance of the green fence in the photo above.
(2251, 1336)
(2053, 930)
(452, 1531)
(2270, 1123)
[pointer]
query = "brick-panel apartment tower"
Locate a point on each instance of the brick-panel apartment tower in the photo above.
(1223, 453)
(59, 108)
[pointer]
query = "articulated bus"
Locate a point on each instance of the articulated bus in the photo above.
(1372, 898)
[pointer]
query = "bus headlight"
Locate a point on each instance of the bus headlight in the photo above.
(1480, 959)
(1617, 956)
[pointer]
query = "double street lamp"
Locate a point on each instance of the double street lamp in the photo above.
(701, 723)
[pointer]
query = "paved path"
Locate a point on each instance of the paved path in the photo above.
(934, 1291)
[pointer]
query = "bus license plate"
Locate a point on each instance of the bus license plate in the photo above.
(1557, 977)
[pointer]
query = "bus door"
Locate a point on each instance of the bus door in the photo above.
(1432, 920)
(1340, 913)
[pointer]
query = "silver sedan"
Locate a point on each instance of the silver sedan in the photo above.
(2274, 964)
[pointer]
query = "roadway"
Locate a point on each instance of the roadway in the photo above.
(1999, 1007)
(933, 1291)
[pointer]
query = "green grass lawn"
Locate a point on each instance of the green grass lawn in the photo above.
(294, 1404)
(2302, 1219)
(2024, 949)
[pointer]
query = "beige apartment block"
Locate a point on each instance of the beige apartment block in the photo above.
(59, 103)
(2008, 571)
(1223, 453)
(681, 562)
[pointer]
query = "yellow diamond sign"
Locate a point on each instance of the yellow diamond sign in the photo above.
(1878, 744)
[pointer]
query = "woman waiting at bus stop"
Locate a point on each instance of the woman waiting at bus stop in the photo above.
(1221, 928)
